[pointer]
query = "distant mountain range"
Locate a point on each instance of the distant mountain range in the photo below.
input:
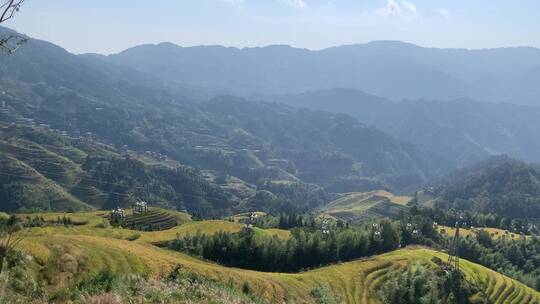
(389, 69)
(462, 131)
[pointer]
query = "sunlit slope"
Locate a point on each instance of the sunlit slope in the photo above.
(495, 233)
(92, 223)
(128, 251)
(244, 216)
(359, 206)
(355, 280)
(29, 186)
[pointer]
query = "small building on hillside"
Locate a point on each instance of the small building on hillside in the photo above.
(118, 215)
(140, 208)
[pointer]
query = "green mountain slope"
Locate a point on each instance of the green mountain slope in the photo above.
(47, 171)
(463, 131)
(499, 185)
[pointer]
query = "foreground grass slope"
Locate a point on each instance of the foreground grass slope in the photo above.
(355, 281)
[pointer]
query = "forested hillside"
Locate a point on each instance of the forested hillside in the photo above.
(462, 131)
(254, 145)
(45, 171)
(500, 185)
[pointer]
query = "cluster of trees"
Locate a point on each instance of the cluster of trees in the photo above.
(304, 249)
(39, 221)
(289, 221)
(477, 219)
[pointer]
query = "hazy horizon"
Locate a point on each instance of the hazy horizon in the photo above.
(280, 45)
(106, 28)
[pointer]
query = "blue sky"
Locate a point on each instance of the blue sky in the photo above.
(109, 26)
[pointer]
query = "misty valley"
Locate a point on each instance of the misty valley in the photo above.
(378, 172)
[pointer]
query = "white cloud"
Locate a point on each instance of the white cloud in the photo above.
(445, 13)
(234, 2)
(391, 9)
(294, 3)
(409, 6)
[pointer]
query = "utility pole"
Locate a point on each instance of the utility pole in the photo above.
(453, 254)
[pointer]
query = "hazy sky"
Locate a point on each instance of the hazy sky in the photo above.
(109, 26)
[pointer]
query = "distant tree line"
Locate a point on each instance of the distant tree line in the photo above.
(306, 248)
(39, 221)
(477, 219)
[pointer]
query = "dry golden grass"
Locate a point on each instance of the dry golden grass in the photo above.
(396, 199)
(205, 227)
(355, 281)
(494, 232)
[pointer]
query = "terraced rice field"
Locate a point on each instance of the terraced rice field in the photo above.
(355, 281)
(357, 207)
(396, 199)
(154, 220)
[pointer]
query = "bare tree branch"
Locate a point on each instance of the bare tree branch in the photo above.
(8, 9)
(10, 43)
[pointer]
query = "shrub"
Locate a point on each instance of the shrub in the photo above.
(321, 295)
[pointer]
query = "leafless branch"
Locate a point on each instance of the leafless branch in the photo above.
(9, 8)
(11, 43)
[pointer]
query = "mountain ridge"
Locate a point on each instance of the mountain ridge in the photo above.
(408, 71)
(350, 45)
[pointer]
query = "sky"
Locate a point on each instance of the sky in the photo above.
(110, 26)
